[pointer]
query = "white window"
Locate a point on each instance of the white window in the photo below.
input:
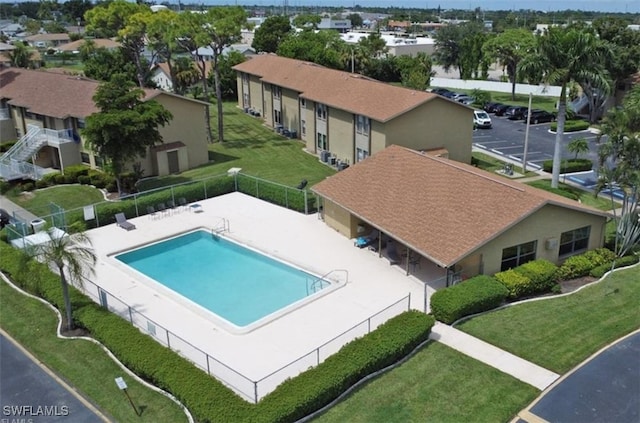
(362, 125)
(573, 242)
(321, 141)
(303, 127)
(518, 254)
(277, 91)
(361, 154)
(277, 117)
(321, 111)
(303, 102)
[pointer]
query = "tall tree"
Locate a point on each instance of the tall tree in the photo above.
(508, 48)
(270, 34)
(323, 47)
(355, 19)
(71, 254)
(228, 76)
(161, 40)
(560, 56)
(102, 63)
(222, 28)
(20, 56)
(307, 21)
(416, 71)
(185, 75)
(578, 146)
(456, 47)
(620, 169)
(126, 125)
(190, 35)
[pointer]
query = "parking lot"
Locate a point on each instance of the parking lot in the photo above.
(506, 138)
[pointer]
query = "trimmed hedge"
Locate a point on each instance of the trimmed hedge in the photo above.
(571, 125)
(541, 273)
(599, 271)
(480, 293)
(581, 265)
(518, 284)
(569, 166)
(208, 399)
(283, 196)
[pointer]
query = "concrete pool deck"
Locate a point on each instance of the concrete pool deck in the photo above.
(300, 239)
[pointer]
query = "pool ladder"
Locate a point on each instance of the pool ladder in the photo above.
(318, 283)
(225, 226)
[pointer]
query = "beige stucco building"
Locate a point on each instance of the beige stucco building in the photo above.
(455, 216)
(349, 116)
(46, 112)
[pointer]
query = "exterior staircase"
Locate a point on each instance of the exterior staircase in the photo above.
(14, 163)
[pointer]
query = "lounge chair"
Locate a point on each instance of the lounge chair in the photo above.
(122, 221)
(302, 184)
(366, 240)
(151, 211)
(392, 253)
(182, 202)
(171, 206)
(162, 208)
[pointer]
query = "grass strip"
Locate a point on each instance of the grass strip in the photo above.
(560, 333)
(82, 364)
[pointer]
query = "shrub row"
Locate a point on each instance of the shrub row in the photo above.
(599, 271)
(569, 166)
(530, 278)
(78, 174)
(207, 398)
(283, 196)
(580, 265)
(572, 125)
(480, 293)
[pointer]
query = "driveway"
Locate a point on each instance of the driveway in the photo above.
(31, 393)
(605, 389)
(506, 138)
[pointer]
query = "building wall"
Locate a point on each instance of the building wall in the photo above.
(435, 124)
(255, 94)
(378, 137)
(341, 135)
(267, 104)
(290, 109)
(310, 121)
(340, 219)
(410, 49)
(547, 223)
(188, 126)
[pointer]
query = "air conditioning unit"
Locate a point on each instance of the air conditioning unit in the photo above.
(551, 244)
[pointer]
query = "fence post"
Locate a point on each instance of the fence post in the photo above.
(255, 391)
(135, 202)
(257, 189)
(306, 203)
(204, 184)
(369, 325)
(208, 369)
(286, 196)
(235, 180)
(95, 212)
(317, 356)
(409, 302)
(130, 316)
(168, 343)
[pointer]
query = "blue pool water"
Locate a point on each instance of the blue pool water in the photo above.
(236, 283)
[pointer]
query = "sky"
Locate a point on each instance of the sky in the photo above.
(629, 6)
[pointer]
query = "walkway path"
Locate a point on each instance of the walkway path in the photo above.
(506, 362)
(12, 207)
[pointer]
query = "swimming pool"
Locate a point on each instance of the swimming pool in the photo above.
(237, 284)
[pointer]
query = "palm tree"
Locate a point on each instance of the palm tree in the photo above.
(20, 56)
(564, 55)
(72, 253)
(578, 146)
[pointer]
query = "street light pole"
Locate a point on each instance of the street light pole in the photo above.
(526, 137)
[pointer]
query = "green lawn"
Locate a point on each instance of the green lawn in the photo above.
(560, 333)
(257, 150)
(491, 164)
(438, 384)
(80, 363)
(67, 196)
(568, 191)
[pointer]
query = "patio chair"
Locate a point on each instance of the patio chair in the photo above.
(182, 202)
(151, 211)
(392, 253)
(171, 205)
(162, 208)
(366, 240)
(122, 221)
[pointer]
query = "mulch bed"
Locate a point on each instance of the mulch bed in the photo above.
(573, 284)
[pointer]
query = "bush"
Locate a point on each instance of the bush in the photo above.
(574, 267)
(569, 166)
(599, 271)
(600, 256)
(5, 146)
(27, 186)
(518, 284)
(571, 125)
(274, 193)
(72, 173)
(59, 179)
(480, 293)
(541, 274)
(50, 178)
(41, 183)
(84, 179)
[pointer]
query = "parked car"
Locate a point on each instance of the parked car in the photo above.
(465, 99)
(491, 107)
(440, 91)
(516, 113)
(501, 109)
(451, 95)
(540, 116)
(481, 119)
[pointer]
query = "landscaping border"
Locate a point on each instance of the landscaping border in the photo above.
(105, 349)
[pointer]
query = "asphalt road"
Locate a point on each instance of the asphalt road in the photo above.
(28, 393)
(606, 389)
(507, 137)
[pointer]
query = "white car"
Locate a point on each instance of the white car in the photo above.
(481, 119)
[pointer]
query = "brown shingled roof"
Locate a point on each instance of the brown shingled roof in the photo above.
(440, 208)
(98, 42)
(342, 90)
(48, 37)
(55, 94)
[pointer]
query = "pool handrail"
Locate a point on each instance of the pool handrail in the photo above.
(311, 287)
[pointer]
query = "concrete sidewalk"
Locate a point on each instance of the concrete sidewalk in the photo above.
(12, 207)
(506, 362)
